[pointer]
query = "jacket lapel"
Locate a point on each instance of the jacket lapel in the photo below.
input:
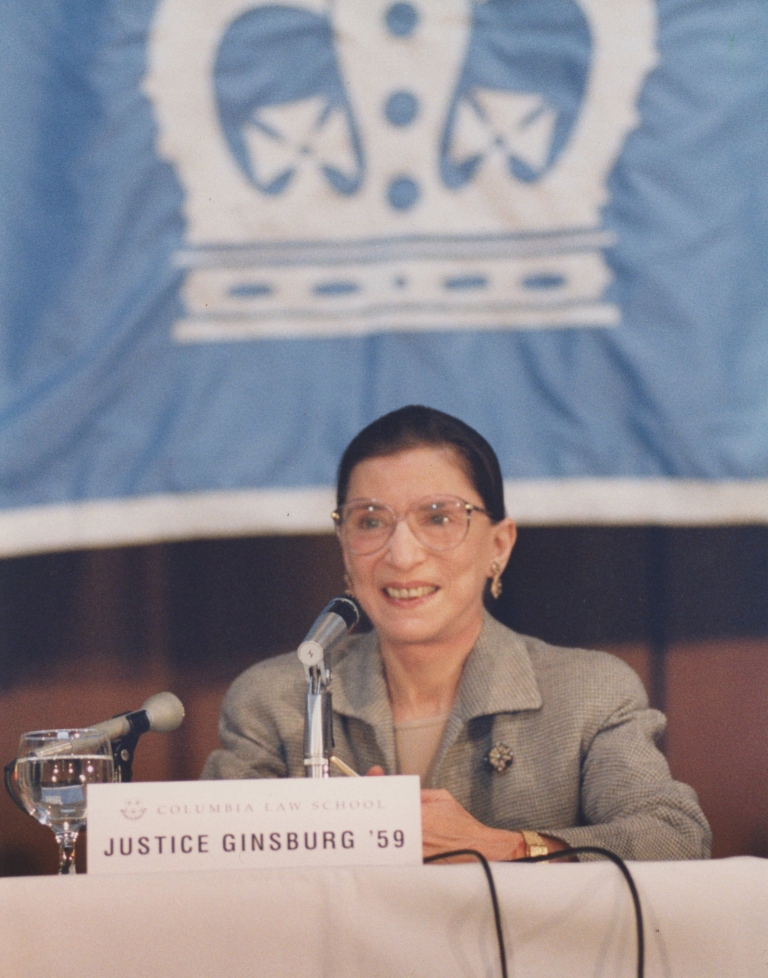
(498, 677)
(360, 691)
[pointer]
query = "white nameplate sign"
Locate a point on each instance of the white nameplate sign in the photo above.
(177, 825)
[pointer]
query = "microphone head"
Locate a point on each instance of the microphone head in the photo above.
(164, 712)
(335, 620)
(345, 607)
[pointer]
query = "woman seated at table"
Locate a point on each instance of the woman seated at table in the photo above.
(508, 734)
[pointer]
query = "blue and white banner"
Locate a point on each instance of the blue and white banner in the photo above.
(232, 233)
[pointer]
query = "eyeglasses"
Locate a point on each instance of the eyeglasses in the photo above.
(439, 523)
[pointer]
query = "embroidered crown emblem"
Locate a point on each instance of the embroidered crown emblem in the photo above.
(351, 166)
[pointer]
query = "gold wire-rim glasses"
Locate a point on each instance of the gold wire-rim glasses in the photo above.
(366, 541)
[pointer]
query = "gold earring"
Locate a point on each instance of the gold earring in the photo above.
(348, 585)
(496, 580)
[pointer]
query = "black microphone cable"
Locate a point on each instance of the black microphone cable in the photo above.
(550, 857)
(491, 888)
(624, 869)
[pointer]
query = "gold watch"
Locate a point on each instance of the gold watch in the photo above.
(534, 844)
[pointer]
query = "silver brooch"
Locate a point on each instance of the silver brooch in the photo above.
(499, 757)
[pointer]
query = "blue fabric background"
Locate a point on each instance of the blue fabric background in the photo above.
(97, 401)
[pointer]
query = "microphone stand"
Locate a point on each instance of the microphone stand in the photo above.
(334, 623)
(318, 722)
(124, 747)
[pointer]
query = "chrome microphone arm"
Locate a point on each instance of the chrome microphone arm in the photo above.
(318, 723)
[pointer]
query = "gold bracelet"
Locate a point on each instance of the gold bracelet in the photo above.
(534, 844)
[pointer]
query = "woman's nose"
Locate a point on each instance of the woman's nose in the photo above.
(403, 548)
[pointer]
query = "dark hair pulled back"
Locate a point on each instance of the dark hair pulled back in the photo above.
(414, 426)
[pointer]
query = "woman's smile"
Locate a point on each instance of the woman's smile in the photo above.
(408, 593)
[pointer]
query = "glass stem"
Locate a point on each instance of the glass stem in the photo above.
(67, 842)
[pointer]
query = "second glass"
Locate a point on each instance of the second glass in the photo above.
(52, 771)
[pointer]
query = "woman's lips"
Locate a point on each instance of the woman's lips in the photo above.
(409, 592)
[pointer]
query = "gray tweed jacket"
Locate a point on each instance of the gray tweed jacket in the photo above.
(584, 767)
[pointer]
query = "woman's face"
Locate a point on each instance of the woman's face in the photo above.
(411, 594)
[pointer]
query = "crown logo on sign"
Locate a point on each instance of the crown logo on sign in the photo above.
(437, 164)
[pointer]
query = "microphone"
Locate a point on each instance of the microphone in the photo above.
(162, 713)
(333, 623)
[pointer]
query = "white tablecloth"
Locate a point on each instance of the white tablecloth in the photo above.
(702, 919)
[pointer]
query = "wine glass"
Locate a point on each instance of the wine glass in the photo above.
(52, 769)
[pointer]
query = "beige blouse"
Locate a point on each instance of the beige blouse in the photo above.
(416, 743)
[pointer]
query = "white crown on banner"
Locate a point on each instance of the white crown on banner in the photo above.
(358, 165)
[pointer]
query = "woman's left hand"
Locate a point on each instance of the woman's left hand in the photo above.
(446, 826)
